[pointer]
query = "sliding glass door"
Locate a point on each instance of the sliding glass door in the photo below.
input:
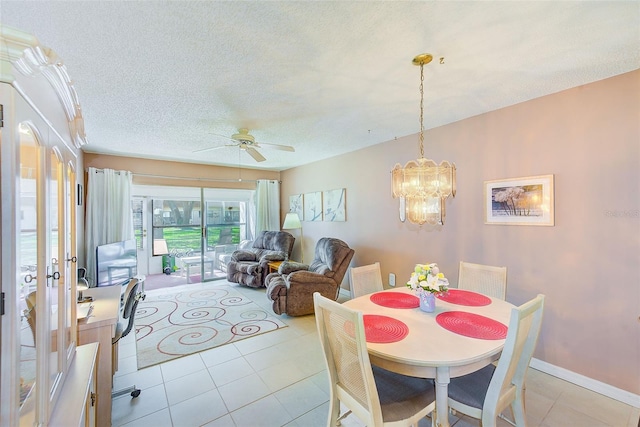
(193, 228)
(225, 226)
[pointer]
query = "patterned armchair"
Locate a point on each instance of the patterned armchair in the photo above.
(291, 288)
(249, 266)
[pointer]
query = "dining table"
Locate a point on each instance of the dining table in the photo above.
(464, 333)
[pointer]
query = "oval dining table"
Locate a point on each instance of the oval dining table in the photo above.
(441, 345)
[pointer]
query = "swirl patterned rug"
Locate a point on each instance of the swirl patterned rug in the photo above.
(172, 323)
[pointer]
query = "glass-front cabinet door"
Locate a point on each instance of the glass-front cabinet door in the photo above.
(43, 297)
(28, 259)
(41, 132)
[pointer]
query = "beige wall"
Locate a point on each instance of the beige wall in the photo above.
(157, 172)
(587, 265)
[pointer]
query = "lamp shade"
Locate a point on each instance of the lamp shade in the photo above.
(291, 221)
(160, 247)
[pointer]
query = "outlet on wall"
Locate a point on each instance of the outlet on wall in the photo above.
(392, 279)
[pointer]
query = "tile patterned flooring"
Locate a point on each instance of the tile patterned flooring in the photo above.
(279, 379)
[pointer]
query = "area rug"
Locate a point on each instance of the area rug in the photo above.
(171, 324)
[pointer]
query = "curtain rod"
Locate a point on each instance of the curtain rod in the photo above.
(146, 175)
(190, 179)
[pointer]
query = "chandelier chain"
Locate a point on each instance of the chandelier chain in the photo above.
(422, 110)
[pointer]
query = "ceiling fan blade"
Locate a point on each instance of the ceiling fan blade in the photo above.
(202, 150)
(277, 147)
(223, 136)
(253, 153)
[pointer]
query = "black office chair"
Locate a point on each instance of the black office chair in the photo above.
(124, 326)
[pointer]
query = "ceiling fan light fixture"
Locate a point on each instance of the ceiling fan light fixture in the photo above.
(422, 185)
(244, 137)
(248, 143)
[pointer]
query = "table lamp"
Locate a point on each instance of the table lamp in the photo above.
(160, 247)
(292, 222)
(80, 287)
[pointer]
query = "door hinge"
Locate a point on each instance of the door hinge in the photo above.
(1, 115)
(2, 304)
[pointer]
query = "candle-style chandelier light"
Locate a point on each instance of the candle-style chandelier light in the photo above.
(422, 185)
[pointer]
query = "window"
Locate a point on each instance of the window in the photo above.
(179, 223)
(137, 205)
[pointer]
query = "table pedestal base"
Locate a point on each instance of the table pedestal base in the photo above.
(442, 396)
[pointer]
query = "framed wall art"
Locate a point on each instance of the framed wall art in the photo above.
(519, 201)
(313, 206)
(296, 205)
(333, 205)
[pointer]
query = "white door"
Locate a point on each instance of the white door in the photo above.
(139, 206)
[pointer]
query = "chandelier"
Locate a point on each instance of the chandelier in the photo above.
(422, 185)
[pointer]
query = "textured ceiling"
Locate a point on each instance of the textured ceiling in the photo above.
(161, 79)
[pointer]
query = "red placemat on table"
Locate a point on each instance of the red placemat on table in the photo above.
(380, 329)
(462, 297)
(472, 325)
(395, 300)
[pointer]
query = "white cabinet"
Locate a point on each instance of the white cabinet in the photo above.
(40, 138)
(76, 406)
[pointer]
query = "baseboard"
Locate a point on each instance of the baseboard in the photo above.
(588, 383)
(345, 293)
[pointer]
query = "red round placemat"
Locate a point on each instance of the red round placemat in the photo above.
(472, 325)
(395, 300)
(384, 329)
(462, 297)
(380, 329)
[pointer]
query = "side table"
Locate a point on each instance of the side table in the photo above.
(273, 266)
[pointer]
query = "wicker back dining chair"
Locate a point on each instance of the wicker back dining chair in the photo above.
(364, 280)
(377, 396)
(484, 394)
(485, 279)
(30, 313)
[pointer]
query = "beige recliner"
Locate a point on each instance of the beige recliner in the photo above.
(291, 288)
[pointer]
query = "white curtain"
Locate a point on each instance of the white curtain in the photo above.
(267, 205)
(109, 215)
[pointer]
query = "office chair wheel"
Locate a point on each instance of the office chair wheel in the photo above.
(135, 393)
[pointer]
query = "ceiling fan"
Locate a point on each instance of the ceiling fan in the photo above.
(247, 142)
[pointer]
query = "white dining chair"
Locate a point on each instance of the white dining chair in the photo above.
(484, 394)
(485, 279)
(366, 279)
(377, 396)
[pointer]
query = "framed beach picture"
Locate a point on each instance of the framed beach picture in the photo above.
(313, 206)
(333, 205)
(519, 201)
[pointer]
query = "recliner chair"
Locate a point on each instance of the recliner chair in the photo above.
(249, 266)
(291, 288)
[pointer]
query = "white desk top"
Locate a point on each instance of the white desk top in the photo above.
(106, 307)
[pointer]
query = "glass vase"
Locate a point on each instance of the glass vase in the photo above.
(427, 302)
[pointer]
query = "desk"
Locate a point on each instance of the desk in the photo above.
(192, 261)
(429, 350)
(100, 327)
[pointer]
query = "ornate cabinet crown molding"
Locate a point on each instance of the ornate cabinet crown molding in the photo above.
(22, 55)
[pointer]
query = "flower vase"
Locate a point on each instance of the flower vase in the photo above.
(427, 302)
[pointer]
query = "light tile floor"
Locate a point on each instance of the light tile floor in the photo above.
(279, 379)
